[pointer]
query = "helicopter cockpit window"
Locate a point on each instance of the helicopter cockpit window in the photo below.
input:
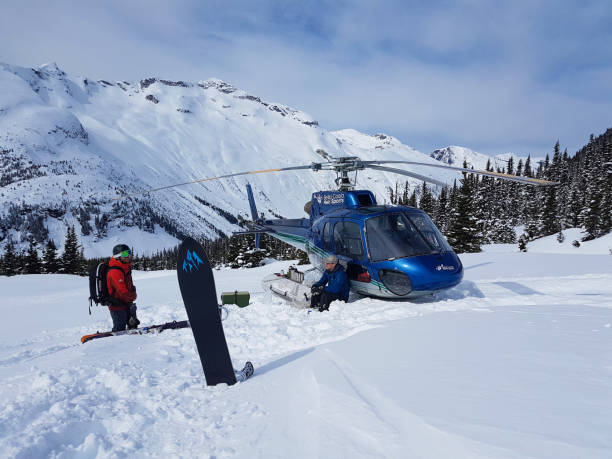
(347, 240)
(429, 231)
(397, 236)
(326, 237)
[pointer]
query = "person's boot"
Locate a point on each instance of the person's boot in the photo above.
(133, 321)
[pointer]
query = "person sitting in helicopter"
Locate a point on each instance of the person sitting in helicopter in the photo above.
(333, 285)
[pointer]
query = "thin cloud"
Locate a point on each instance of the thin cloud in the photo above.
(491, 76)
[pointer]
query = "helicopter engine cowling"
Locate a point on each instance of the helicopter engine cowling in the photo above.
(324, 202)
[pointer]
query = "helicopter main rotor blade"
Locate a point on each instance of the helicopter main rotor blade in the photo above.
(499, 175)
(408, 173)
(263, 171)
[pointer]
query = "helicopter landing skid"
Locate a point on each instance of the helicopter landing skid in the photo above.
(296, 293)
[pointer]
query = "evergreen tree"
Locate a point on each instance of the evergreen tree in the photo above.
(522, 243)
(510, 166)
(560, 237)
(519, 168)
(463, 233)
(71, 262)
(550, 219)
(50, 263)
(532, 217)
(32, 262)
(392, 197)
(451, 214)
(559, 171)
(10, 261)
(405, 194)
(556, 161)
(533, 221)
(485, 205)
(527, 172)
(426, 203)
(502, 227)
(508, 192)
(606, 185)
(591, 215)
(83, 270)
(574, 206)
(412, 201)
(440, 215)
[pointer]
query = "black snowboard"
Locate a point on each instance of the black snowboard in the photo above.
(197, 285)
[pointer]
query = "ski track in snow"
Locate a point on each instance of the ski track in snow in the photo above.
(134, 396)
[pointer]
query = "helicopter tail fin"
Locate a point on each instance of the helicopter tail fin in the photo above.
(253, 212)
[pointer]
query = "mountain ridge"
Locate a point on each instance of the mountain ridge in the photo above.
(454, 155)
(70, 145)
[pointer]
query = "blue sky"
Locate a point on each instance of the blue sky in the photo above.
(492, 76)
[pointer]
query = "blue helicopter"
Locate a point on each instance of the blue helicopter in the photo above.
(388, 251)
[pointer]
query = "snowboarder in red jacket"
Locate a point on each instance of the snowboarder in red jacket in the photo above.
(121, 289)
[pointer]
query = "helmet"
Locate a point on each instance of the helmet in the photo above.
(120, 248)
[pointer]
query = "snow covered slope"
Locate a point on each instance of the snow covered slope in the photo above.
(69, 145)
(514, 362)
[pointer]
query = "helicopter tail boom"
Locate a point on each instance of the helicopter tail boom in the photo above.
(292, 231)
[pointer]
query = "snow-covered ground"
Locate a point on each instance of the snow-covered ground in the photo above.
(516, 361)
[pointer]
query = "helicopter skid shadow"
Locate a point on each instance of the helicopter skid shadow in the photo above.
(466, 289)
(517, 288)
(283, 361)
(477, 266)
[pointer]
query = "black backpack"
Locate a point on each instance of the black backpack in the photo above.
(98, 289)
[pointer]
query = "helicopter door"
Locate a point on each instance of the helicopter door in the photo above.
(347, 240)
(326, 238)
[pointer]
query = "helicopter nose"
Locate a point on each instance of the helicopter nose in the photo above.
(448, 264)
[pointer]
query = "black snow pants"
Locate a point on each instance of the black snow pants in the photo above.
(322, 300)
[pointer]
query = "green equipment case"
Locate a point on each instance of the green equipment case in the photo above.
(236, 297)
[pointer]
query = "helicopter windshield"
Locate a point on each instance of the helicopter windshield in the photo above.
(400, 235)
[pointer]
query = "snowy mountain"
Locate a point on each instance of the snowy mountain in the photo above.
(69, 146)
(455, 156)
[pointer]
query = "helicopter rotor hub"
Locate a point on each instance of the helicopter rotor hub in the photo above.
(342, 166)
